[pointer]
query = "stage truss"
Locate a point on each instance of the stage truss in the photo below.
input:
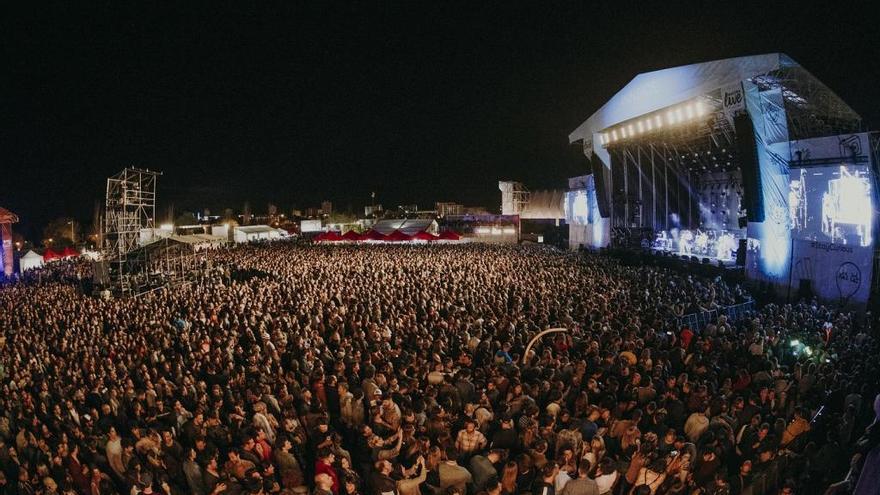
(130, 268)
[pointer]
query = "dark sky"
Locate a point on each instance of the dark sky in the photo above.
(417, 102)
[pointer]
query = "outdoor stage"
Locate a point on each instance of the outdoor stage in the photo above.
(748, 161)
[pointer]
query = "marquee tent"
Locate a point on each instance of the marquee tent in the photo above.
(69, 252)
(424, 236)
(50, 255)
(372, 235)
(449, 235)
(351, 236)
(398, 236)
(408, 226)
(29, 261)
(331, 236)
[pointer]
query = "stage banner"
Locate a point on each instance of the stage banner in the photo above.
(838, 273)
(769, 255)
(733, 101)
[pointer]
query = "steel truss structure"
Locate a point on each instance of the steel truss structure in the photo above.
(130, 207)
(660, 174)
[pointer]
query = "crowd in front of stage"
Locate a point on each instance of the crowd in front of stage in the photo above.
(402, 370)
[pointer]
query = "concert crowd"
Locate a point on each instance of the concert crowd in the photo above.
(404, 370)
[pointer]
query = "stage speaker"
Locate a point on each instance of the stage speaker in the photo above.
(741, 252)
(747, 151)
(805, 289)
(100, 272)
(598, 169)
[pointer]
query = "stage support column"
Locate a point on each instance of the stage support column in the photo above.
(6, 235)
(665, 190)
(653, 193)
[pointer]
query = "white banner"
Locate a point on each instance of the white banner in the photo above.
(733, 101)
(838, 272)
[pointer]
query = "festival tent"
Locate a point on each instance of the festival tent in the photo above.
(69, 252)
(29, 261)
(50, 255)
(424, 236)
(449, 235)
(351, 236)
(408, 226)
(398, 236)
(328, 237)
(372, 235)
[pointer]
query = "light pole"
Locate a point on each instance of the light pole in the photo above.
(72, 233)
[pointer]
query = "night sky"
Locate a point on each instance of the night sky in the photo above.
(418, 102)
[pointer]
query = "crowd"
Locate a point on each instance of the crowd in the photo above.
(396, 370)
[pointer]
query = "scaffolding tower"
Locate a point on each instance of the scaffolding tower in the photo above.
(514, 197)
(130, 208)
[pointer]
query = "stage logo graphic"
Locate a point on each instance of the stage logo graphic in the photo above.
(849, 279)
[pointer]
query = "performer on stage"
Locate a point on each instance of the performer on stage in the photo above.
(686, 242)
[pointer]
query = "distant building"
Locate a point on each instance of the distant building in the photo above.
(372, 210)
(475, 210)
(412, 208)
(326, 207)
(444, 209)
(313, 212)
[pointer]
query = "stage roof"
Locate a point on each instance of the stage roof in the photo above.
(652, 91)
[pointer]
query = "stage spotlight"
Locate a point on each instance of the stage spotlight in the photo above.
(641, 127)
(679, 115)
(613, 136)
(648, 124)
(623, 133)
(629, 130)
(659, 121)
(601, 139)
(701, 109)
(670, 117)
(690, 111)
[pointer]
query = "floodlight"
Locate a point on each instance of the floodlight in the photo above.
(690, 111)
(641, 127)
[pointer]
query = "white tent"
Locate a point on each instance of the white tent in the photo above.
(29, 261)
(251, 233)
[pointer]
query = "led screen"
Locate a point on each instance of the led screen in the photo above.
(831, 204)
(576, 207)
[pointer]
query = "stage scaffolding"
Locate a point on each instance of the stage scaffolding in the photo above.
(652, 179)
(128, 267)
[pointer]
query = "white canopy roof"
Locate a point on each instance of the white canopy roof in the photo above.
(653, 91)
(32, 255)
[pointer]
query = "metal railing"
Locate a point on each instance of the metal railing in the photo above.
(698, 321)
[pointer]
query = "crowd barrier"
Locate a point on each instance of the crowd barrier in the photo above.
(698, 321)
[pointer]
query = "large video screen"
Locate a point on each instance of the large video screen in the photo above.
(576, 207)
(831, 204)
